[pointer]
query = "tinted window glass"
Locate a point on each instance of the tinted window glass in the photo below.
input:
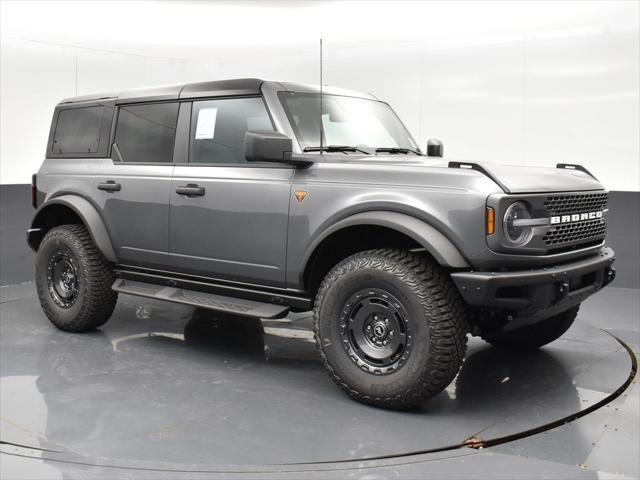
(345, 121)
(218, 128)
(145, 133)
(78, 130)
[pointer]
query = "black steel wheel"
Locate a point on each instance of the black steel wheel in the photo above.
(375, 330)
(62, 278)
(74, 280)
(390, 327)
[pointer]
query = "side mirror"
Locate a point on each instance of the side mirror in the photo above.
(434, 148)
(270, 146)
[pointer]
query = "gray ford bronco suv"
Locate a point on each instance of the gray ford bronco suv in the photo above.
(258, 198)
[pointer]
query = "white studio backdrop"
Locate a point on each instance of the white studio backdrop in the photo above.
(538, 84)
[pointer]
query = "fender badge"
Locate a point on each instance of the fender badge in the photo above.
(300, 195)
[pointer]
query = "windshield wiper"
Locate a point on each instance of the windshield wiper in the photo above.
(396, 150)
(335, 148)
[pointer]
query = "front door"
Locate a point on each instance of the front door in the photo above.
(228, 217)
(133, 188)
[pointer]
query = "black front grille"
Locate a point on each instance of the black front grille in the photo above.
(576, 203)
(575, 233)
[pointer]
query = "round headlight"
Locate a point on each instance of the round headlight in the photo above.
(515, 232)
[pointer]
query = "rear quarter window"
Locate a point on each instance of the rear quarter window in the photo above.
(145, 133)
(78, 131)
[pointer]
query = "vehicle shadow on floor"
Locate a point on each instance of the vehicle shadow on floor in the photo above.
(490, 377)
(494, 379)
(490, 380)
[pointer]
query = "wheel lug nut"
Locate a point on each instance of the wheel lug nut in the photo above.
(368, 328)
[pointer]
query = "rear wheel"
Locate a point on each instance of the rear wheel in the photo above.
(536, 335)
(391, 328)
(74, 280)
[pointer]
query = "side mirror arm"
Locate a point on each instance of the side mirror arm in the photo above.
(299, 160)
(270, 146)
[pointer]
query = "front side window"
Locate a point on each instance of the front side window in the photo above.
(347, 121)
(145, 133)
(218, 128)
(78, 130)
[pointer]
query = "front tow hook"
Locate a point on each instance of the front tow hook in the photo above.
(609, 275)
(562, 290)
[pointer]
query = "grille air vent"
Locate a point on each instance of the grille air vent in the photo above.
(582, 231)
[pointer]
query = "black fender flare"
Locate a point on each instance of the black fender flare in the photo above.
(430, 238)
(87, 213)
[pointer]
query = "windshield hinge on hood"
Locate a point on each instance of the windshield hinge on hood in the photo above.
(479, 168)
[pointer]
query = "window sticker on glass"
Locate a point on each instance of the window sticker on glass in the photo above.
(206, 125)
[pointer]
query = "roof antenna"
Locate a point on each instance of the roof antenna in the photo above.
(321, 126)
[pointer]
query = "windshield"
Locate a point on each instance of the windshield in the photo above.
(346, 121)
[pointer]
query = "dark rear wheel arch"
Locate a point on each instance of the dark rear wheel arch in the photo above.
(68, 210)
(47, 218)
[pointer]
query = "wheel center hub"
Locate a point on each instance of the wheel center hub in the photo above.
(380, 330)
(68, 278)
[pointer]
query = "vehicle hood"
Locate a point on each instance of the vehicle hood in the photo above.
(519, 179)
(514, 178)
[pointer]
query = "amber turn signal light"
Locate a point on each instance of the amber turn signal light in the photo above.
(491, 221)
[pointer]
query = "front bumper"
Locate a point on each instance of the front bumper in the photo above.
(549, 289)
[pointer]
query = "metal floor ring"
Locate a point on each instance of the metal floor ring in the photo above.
(166, 376)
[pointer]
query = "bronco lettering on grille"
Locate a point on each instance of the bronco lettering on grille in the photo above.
(575, 217)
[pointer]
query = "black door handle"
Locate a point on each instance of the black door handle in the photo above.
(109, 186)
(190, 190)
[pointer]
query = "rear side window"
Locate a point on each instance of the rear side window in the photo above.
(78, 131)
(145, 133)
(218, 128)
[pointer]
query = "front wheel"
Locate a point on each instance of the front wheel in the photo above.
(537, 335)
(391, 328)
(74, 280)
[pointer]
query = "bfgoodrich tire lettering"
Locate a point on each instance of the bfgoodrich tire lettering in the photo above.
(436, 327)
(74, 280)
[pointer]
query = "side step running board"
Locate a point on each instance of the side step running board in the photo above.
(220, 303)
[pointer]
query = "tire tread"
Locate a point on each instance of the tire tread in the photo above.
(99, 299)
(445, 311)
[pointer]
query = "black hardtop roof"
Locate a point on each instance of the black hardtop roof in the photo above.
(217, 88)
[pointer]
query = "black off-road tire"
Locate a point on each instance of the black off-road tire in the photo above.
(437, 326)
(536, 335)
(94, 301)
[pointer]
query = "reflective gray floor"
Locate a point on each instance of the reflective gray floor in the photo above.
(166, 388)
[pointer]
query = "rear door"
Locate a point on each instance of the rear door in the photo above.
(133, 189)
(228, 217)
